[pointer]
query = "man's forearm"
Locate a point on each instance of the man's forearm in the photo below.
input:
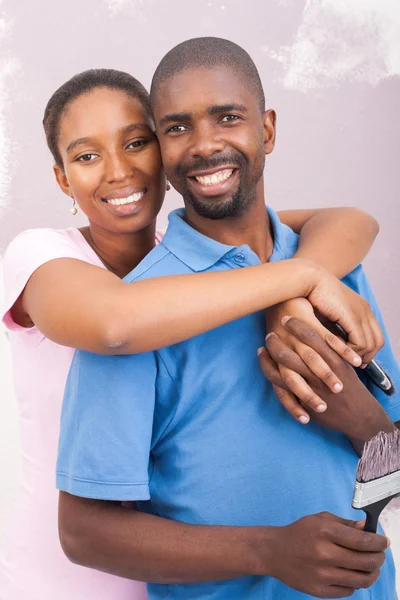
(371, 426)
(120, 541)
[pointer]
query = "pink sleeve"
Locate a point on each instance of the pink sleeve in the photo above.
(160, 234)
(26, 253)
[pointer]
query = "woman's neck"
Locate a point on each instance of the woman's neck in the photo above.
(120, 252)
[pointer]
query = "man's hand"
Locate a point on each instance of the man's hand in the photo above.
(301, 309)
(327, 557)
(354, 411)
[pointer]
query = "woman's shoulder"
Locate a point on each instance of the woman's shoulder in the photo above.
(45, 235)
(43, 244)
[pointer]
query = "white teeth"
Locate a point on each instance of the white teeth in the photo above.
(128, 200)
(215, 177)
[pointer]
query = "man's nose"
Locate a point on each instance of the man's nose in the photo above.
(206, 141)
(118, 168)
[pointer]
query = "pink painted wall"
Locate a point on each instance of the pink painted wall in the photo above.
(330, 68)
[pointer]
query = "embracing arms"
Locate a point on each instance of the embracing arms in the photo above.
(77, 304)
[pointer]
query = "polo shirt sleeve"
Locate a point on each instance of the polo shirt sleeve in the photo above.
(386, 357)
(106, 427)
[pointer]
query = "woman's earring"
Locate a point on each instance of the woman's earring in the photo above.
(74, 210)
(168, 186)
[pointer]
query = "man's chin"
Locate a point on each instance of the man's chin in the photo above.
(214, 208)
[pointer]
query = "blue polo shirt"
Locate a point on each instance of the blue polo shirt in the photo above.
(195, 433)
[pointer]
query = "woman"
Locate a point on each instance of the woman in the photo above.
(64, 290)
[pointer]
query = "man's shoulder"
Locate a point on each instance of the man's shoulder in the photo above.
(160, 261)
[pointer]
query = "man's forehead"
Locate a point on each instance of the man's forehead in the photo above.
(198, 89)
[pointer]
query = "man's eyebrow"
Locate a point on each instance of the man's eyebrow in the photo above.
(174, 117)
(225, 108)
(128, 129)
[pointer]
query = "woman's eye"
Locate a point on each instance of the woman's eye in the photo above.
(229, 118)
(176, 129)
(86, 157)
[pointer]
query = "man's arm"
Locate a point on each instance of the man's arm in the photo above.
(120, 541)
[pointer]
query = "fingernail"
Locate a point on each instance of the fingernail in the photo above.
(363, 365)
(303, 419)
(337, 387)
(260, 351)
(268, 336)
(357, 360)
(389, 543)
(285, 320)
(321, 407)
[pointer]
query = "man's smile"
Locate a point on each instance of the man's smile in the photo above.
(214, 182)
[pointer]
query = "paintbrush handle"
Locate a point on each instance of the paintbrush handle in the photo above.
(373, 512)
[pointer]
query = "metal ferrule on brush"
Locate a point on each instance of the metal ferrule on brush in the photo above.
(378, 489)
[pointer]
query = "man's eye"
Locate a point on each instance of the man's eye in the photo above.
(86, 157)
(229, 118)
(176, 129)
(136, 144)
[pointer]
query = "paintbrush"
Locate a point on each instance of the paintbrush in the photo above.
(378, 476)
(373, 371)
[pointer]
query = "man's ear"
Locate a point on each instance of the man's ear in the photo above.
(62, 180)
(269, 124)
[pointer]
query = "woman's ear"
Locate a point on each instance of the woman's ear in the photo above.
(62, 180)
(269, 124)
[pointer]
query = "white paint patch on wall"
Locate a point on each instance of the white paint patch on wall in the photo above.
(342, 40)
(133, 7)
(10, 465)
(8, 68)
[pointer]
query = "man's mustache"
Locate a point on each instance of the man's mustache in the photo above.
(183, 169)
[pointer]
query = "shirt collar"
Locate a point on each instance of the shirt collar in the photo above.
(200, 252)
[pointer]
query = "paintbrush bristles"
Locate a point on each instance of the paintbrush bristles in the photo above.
(380, 457)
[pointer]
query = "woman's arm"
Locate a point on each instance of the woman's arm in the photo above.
(338, 239)
(79, 305)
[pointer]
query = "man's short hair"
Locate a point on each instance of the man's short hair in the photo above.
(208, 52)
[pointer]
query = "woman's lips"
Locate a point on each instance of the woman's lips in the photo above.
(124, 207)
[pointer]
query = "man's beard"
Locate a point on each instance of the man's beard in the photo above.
(235, 206)
(242, 198)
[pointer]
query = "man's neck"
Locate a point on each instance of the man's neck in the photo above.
(119, 252)
(253, 228)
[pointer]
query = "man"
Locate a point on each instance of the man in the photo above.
(224, 477)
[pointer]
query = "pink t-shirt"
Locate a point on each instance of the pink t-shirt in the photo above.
(32, 563)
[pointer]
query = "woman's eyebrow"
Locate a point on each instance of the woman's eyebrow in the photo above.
(128, 129)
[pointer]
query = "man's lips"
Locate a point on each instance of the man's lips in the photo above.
(214, 182)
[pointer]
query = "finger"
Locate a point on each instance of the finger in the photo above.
(367, 562)
(291, 404)
(270, 368)
(319, 367)
(378, 339)
(311, 338)
(300, 388)
(369, 342)
(353, 579)
(283, 355)
(338, 591)
(356, 336)
(354, 539)
(340, 347)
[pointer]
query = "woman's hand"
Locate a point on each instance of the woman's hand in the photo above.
(339, 304)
